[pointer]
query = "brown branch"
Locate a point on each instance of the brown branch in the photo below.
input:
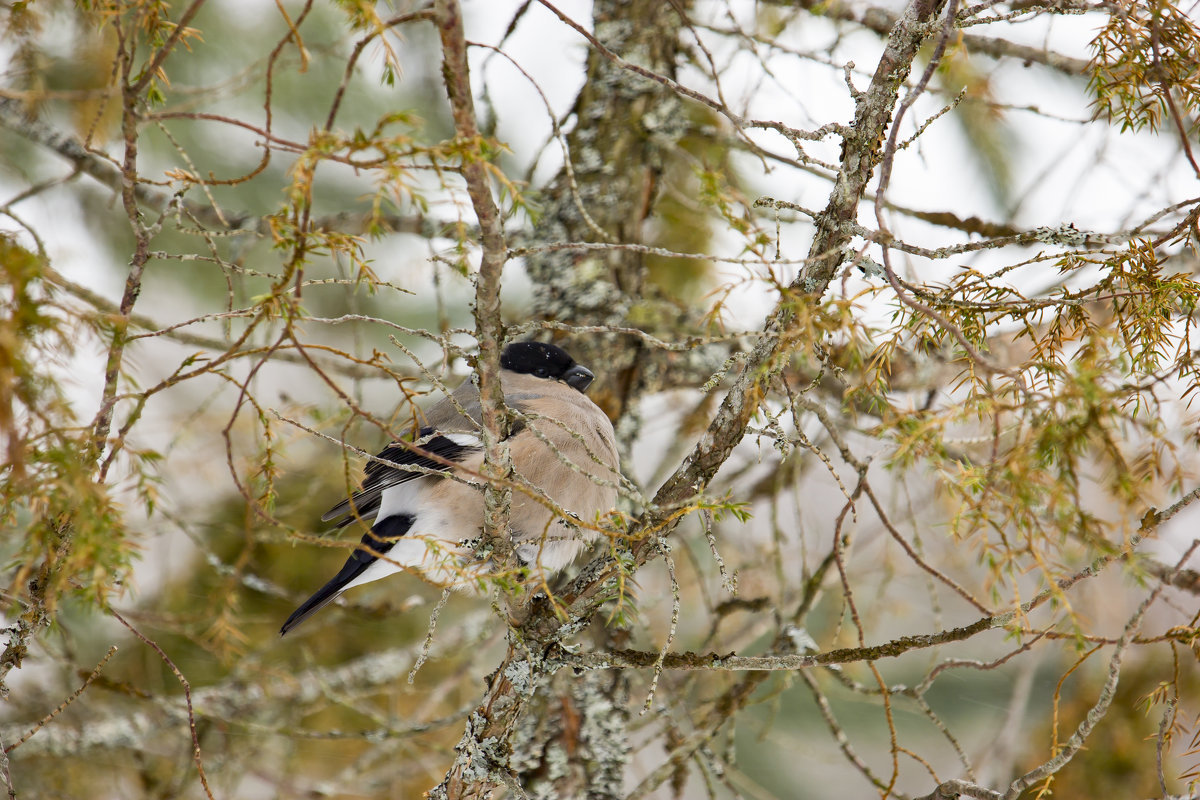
(839, 734)
(625, 659)
(1157, 73)
(187, 694)
(152, 68)
(497, 467)
(489, 326)
(1098, 710)
(131, 99)
(916, 557)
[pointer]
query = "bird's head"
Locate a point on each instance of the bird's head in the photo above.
(545, 361)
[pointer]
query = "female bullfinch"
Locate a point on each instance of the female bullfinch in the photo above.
(424, 498)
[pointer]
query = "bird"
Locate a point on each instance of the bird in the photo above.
(424, 498)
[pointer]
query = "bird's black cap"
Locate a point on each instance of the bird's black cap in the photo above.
(545, 361)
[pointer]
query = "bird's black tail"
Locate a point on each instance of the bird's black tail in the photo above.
(322, 598)
(380, 539)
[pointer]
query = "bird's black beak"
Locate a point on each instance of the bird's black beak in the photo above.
(578, 377)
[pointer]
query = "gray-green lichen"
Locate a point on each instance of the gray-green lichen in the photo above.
(574, 740)
(520, 674)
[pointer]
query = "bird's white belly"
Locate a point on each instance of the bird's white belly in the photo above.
(433, 547)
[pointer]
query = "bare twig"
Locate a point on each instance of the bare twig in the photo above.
(41, 723)
(187, 695)
(1072, 746)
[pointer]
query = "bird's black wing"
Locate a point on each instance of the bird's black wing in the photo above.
(377, 476)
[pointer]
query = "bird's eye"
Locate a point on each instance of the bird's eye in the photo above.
(542, 372)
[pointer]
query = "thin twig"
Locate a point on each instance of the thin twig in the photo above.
(187, 694)
(428, 643)
(41, 723)
(1072, 746)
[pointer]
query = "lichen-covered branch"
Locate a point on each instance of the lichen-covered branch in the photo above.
(489, 331)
